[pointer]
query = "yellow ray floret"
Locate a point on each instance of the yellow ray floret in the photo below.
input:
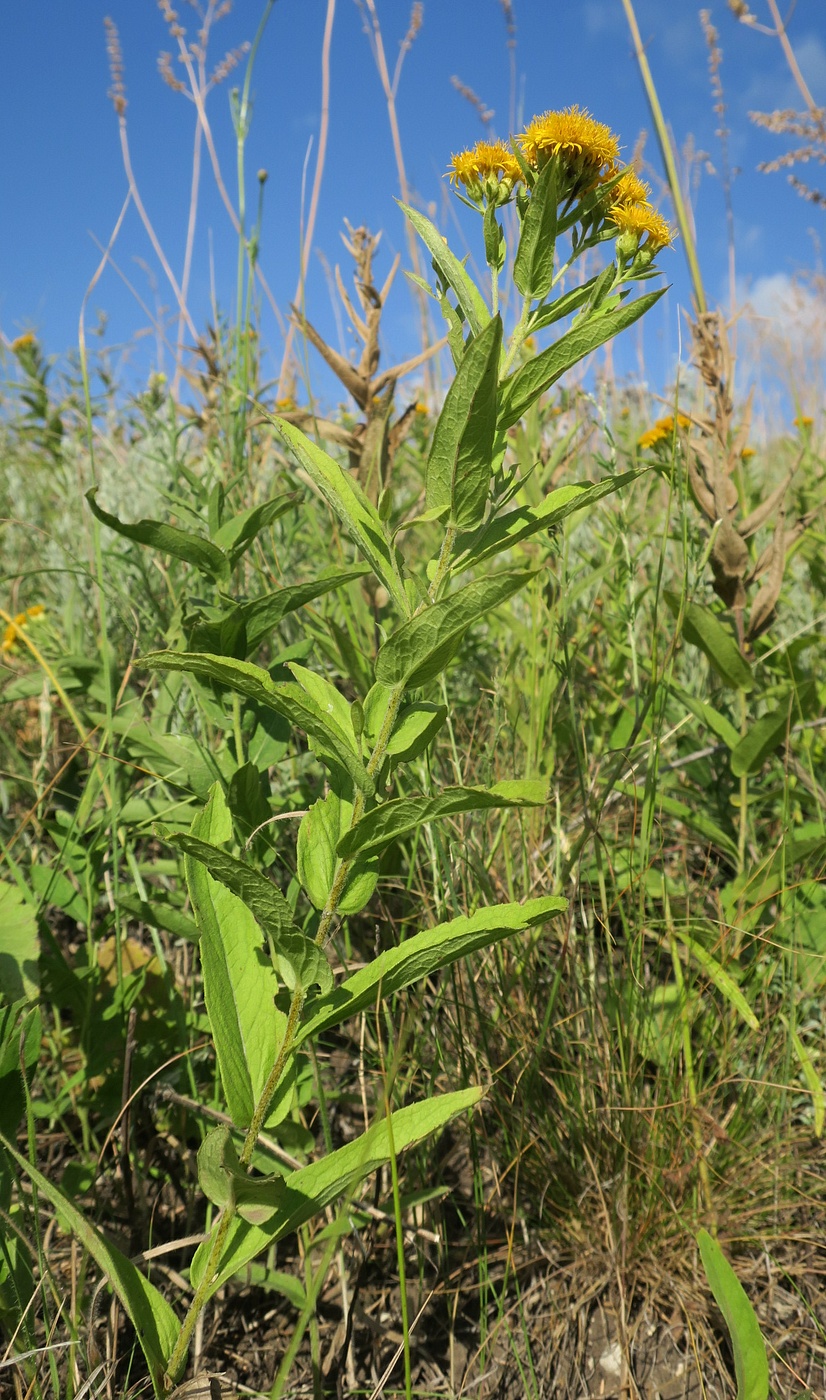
(485, 158)
(13, 632)
(663, 430)
(572, 134)
(640, 219)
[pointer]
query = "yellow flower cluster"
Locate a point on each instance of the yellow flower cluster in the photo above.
(663, 430)
(11, 634)
(23, 342)
(588, 153)
(485, 160)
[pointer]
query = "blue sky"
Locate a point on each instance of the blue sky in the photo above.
(62, 182)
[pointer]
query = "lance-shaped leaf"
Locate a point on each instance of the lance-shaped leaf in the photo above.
(386, 823)
(267, 905)
(761, 740)
(345, 497)
(307, 1191)
(461, 452)
(237, 533)
(287, 698)
(523, 388)
(423, 954)
(704, 629)
(181, 544)
(424, 646)
(263, 614)
(519, 524)
(155, 1324)
(717, 974)
(563, 306)
(240, 984)
(316, 859)
(751, 1366)
(533, 268)
(468, 296)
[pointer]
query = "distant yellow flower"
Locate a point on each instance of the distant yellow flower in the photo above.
(423, 409)
(580, 141)
(639, 220)
(804, 421)
(13, 632)
(23, 342)
(746, 454)
(284, 405)
(629, 189)
(487, 158)
(663, 430)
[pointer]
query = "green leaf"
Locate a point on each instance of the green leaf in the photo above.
(307, 1191)
(224, 1181)
(721, 979)
(155, 1324)
(265, 903)
(519, 524)
(19, 946)
(461, 451)
(263, 614)
(158, 914)
(813, 1082)
(181, 544)
(524, 387)
(345, 497)
(469, 298)
(318, 836)
(760, 740)
(423, 954)
(240, 984)
(751, 1364)
(236, 534)
(386, 823)
(285, 698)
(414, 731)
(711, 718)
(495, 248)
(424, 646)
(533, 268)
(704, 629)
(553, 311)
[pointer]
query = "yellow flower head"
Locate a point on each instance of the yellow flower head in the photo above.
(23, 342)
(582, 143)
(486, 160)
(804, 421)
(663, 430)
(422, 409)
(629, 189)
(639, 220)
(746, 454)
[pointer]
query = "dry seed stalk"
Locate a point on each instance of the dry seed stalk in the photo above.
(373, 443)
(714, 458)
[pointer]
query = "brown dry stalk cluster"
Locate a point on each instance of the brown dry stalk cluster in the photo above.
(373, 443)
(117, 92)
(715, 461)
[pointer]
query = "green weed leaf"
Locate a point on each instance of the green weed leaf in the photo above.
(724, 983)
(751, 1365)
(760, 740)
(262, 615)
(533, 268)
(181, 544)
(19, 963)
(155, 1324)
(704, 629)
(461, 451)
(519, 524)
(425, 645)
(345, 497)
(285, 698)
(318, 836)
(469, 298)
(523, 388)
(306, 1192)
(386, 823)
(423, 954)
(238, 533)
